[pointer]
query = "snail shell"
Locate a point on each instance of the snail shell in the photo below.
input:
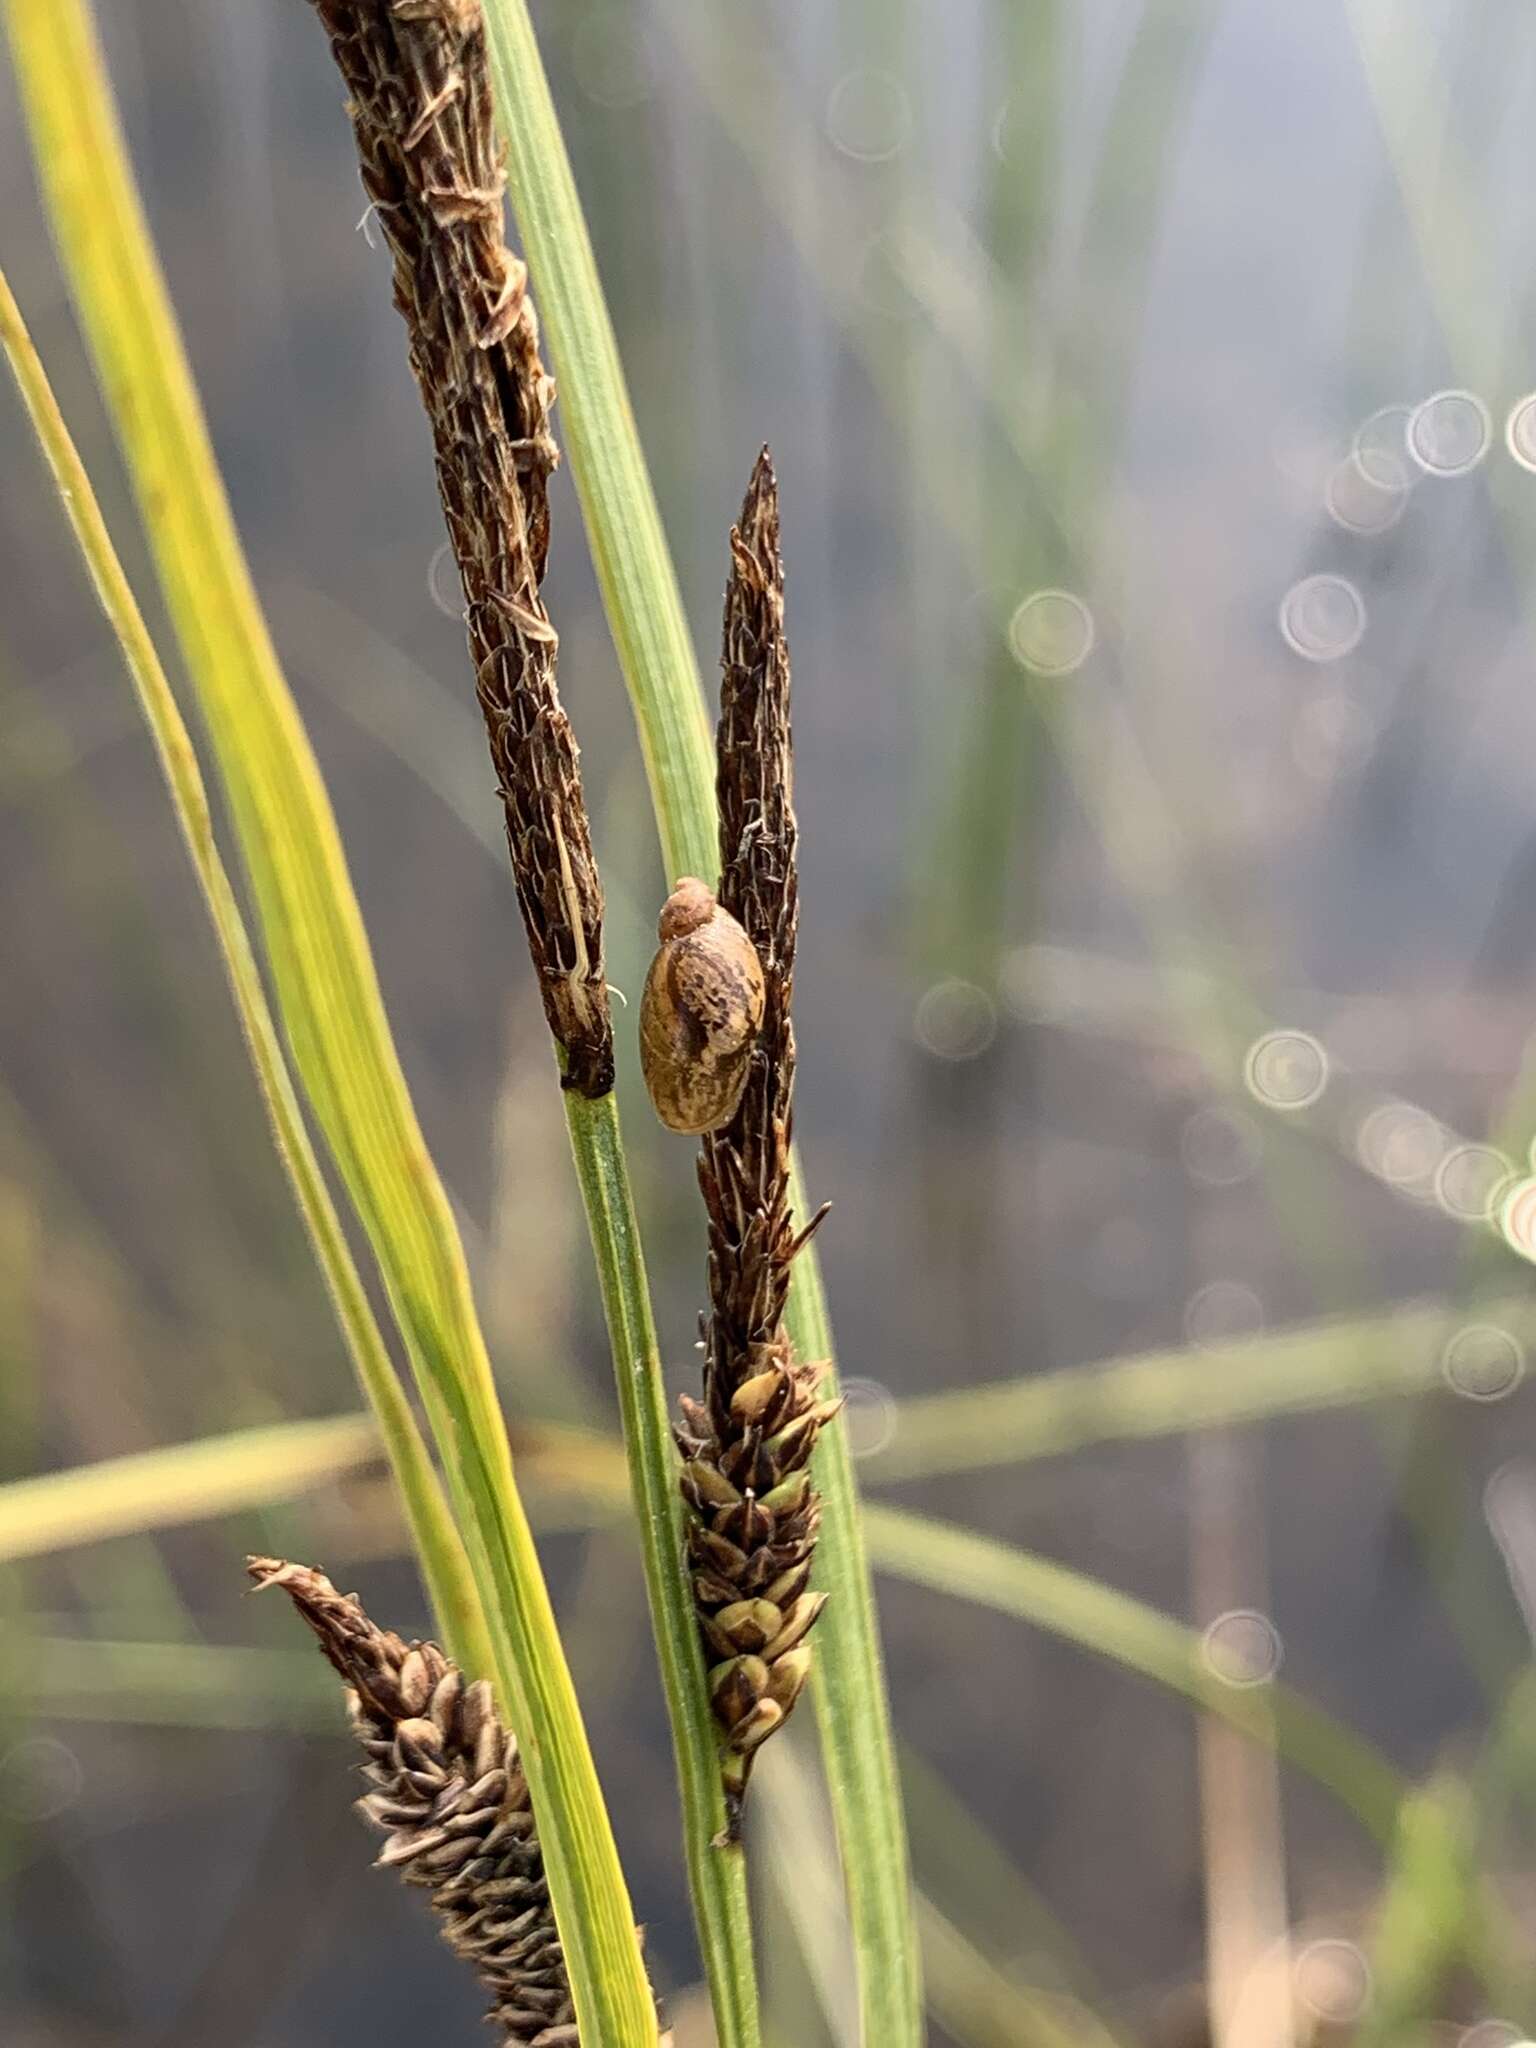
(701, 1011)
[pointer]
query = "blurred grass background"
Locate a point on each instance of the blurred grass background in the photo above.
(1027, 299)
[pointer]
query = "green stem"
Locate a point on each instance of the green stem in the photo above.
(650, 632)
(629, 549)
(323, 972)
(717, 1877)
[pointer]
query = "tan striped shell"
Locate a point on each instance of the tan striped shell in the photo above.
(701, 1011)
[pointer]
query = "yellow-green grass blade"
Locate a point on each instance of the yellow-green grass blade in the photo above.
(323, 972)
(163, 1489)
(444, 1565)
(650, 631)
(152, 1490)
(579, 1477)
(1155, 1393)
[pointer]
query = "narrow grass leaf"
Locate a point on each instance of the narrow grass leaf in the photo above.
(444, 1565)
(164, 1489)
(323, 971)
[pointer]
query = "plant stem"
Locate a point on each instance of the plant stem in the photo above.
(629, 548)
(717, 1877)
(650, 631)
(324, 974)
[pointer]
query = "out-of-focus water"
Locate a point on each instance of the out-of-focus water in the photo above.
(1151, 392)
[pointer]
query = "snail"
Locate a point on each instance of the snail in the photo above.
(701, 1011)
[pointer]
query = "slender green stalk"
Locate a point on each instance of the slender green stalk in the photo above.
(629, 549)
(486, 392)
(444, 1565)
(717, 1877)
(324, 974)
(650, 632)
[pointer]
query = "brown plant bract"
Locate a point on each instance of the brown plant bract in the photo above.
(747, 1445)
(449, 1793)
(420, 106)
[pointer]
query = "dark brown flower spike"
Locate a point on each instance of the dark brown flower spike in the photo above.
(448, 1793)
(420, 106)
(747, 1445)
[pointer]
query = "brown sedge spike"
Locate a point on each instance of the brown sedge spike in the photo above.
(746, 1446)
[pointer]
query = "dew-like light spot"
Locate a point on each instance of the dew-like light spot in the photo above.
(1052, 632)
(1333, 736)
(443, 585)
(1220, 1147)
(39, 1778)
(1333, 1980)
(1520, 431)
(1483, 1363)
(1402, 1145)
(1517, 1218)
(1286, 1069)
(1380, 447)
(955, 1020)
(609, 58)
(1356, 500)
(1242, 1648)
(1322, 618)
(1221, 1313)
(1449, 433)
(870, 1416)
(1471, 1181)
(869, 115)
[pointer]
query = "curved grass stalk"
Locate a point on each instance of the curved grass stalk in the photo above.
(214, 1475)
(323, 971)
(1310, 1369)
(180, 1483)
(650, 631)
(1115, 1626)
(444, 1565)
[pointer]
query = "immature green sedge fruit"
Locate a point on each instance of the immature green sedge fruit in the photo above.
(701, 1011)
